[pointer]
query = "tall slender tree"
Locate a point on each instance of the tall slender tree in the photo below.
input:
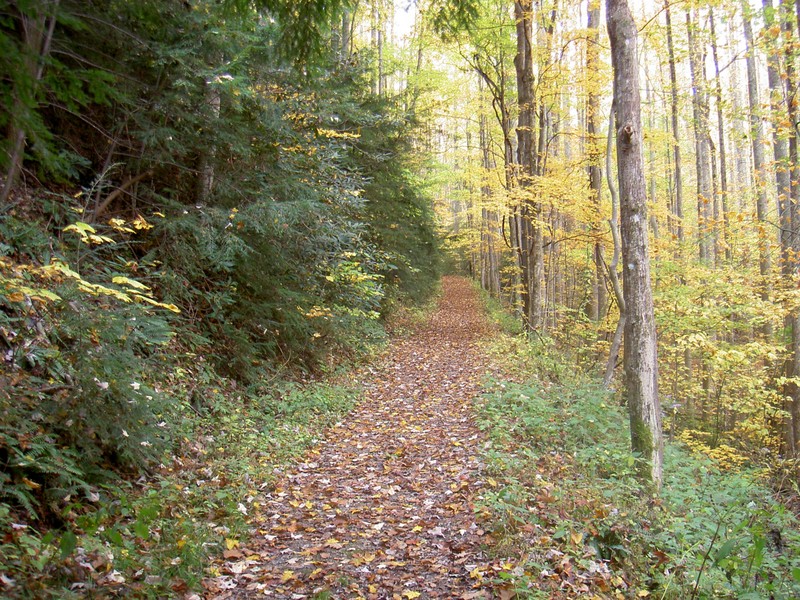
(528, 229)
(759, 167)
(723, 154)
(599, 300)
(677, 202)
(702, 141)
(640, 352)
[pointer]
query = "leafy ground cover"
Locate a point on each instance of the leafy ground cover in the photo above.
(567, 508)
(151, 538)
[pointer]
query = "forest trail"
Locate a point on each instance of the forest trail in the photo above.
(383, 507)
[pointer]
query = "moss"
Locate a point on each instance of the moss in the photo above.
(642, 442)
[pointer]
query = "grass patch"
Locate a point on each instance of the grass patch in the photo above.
(568, 506)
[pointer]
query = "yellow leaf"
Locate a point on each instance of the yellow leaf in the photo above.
(231, 544)
(180, 543)
(643, 593)
(576, 537)
(411, 595)
(491, 482)
(120, 225)
(287, 576)
(119, 280)
(140, 223)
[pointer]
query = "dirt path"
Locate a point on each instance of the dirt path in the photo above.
(383, 507)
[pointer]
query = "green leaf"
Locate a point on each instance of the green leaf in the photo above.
(68, 543)
(141, 529)
(115, 537)
(725, 551)
(149, 512)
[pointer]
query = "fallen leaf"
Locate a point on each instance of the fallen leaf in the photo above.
(230, 544)
(287, 576)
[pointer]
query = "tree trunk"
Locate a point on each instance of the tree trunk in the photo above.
(490, 272)
(723, 156)
(700, 112)
(676, 147)
(345, 37)
(790, 224)
(757, 141)
(529, 243)
(213, 104)
(616, 341)
(640, 352)
(598, 303)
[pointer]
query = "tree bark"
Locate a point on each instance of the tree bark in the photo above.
(616, 341)
(598, 302)
(723, 155)
(790, 224)
(676, 147)
(640, 352)
(490, 271)
(757, 142)
(529, 241)
(700, 111)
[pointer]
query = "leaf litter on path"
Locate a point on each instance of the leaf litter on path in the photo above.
(384, 506)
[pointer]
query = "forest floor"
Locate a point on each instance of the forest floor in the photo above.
(384, 506)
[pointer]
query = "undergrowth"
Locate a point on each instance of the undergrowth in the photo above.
(566, 502)
(152, 537)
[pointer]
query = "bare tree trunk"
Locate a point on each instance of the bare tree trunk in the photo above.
(599, 300)
(790, 224)
(346, 35)
(757, 140)
(780, 144)
(616, 341)
(213, 101)
(676, 147)
(640, 353)
(723, 157)
(651, 168)
(490, 272)
(530, 246)
(700, 112)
